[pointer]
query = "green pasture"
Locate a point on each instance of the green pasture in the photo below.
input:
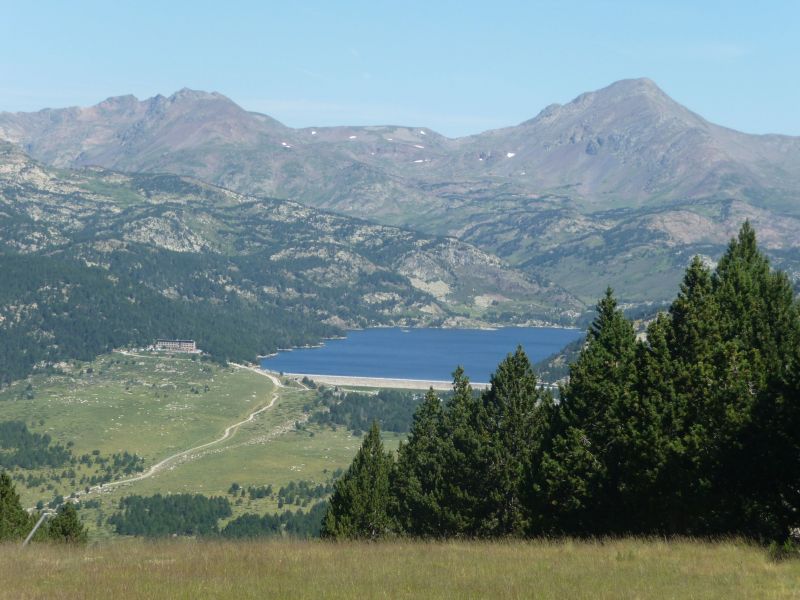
(157, 405)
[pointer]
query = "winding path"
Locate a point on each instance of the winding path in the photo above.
(229, 431)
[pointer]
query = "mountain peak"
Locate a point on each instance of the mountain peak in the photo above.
(625, 90)
(124, 99)
(184, 95)
(623, 97)
(640, 85)
(190, 94)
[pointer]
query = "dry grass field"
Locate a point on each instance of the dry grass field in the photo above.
(190, 569)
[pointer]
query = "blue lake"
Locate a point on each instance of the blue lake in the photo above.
(429, 354)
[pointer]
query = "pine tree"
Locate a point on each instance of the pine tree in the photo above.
(15, 523)
(511, 423)
(744, 285)
(694, 344)
(651, 486)
(463, 480)
(730, 337)
(761, 323)
(776, 442)
(579, 475)
(66, 527)
(359, 507)
(417, 482)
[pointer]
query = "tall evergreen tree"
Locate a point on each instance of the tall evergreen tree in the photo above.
(461, 447)
(731, 335)
(651, 485)
(760, 320)
(417, 482)
(580, 475)
(15, 523)
(511, 423)
(359, 507)
(694, 343)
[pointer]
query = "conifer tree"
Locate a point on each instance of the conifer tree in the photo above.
(359, 507)
(511, 423)
(760, 321)
(694, 343)
(15, 523)
(579, 475)
(731, 335)
(417, 482)
(66, 527)
(750, 310)
(463, 480)
(776, 447)
(651, 486)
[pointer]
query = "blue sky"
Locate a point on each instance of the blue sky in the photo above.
(457, 67)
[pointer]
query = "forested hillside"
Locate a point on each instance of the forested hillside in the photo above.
(53, 309)
(691, 430)
(92, 260)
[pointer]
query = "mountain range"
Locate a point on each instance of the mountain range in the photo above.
(92, 258)
(619, 187)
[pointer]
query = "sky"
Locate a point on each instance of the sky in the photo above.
(455, 67)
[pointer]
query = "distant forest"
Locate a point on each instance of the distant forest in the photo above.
(693, 429)
(392, 409)
(178, 514)
(56, 309)
(198, 515)
(298, 524)
(21, 448)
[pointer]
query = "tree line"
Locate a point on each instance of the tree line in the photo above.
(356, 411)
(21, 448)
(16, 523)
(54, 309)
(177, 514)
(693, 429)
(298, 524)
(199, 515)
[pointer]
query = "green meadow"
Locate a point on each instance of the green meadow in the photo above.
(152, 405)
(599, 570)
(158, 405)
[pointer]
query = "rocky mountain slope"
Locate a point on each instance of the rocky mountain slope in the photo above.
(630, 144)
(620, 186)
(93, 259)
(347, 272)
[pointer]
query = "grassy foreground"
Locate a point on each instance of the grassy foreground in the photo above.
(285, 569)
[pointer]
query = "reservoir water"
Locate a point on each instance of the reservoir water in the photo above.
(429, 354)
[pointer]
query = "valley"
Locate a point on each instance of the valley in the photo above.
(149, 256)
(192, 426)
(399, 300)
(188, 216)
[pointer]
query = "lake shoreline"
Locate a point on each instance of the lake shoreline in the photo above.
(379, 382)
(407, 329)
(416, 358)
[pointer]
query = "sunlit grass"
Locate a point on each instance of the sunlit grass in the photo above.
(285, 569)
(157, 405)
(153, 406)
